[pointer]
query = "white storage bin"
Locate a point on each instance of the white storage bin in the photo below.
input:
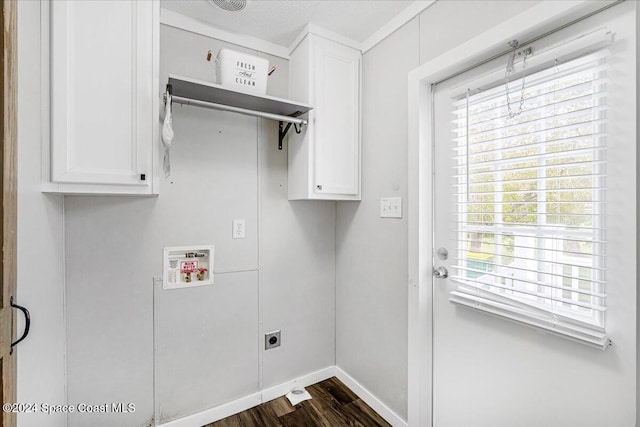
(243, 72)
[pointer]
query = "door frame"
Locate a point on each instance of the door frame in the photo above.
(9, 36)
(538, 19)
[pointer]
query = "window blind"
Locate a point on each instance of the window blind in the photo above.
(529, 197)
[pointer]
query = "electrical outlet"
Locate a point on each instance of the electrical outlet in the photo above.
(238, 229)
(391, 207)
(272, 340)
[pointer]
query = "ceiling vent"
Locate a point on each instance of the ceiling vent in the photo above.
(230, 5)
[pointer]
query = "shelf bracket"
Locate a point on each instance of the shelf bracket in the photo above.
(283, 129)
(167, 95)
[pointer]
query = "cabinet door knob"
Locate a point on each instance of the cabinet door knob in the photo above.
(319, 187)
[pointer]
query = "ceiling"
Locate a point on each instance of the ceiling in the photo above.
(280, 21)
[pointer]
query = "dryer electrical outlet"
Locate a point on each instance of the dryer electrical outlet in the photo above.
(272, 340)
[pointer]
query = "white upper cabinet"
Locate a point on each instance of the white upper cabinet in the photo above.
(104, 97)
(324, 159)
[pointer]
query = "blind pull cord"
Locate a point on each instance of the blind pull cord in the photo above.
(510, 69)
(467, 141)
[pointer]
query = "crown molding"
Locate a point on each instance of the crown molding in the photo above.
(327, 34)
(183, 22)
(413, 10)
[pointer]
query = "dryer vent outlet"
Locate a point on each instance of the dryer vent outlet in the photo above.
(272, 340)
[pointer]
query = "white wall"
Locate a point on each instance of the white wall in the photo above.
(208, 341)
(448, 24)
(371, 252)
(297, 270)
(41, 362)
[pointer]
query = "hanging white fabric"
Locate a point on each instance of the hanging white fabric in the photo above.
(167, 137)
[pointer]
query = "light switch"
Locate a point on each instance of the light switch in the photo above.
(391, 207)
(238, 229)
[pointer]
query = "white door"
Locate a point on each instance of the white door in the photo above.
(537, 215)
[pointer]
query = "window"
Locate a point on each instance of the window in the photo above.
(529, 196)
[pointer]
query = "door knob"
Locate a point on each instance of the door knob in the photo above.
(440, 273)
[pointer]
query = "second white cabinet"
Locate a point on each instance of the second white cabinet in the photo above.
(324, 159)
(104, 100)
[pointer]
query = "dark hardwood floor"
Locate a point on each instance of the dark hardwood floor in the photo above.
(333, 405)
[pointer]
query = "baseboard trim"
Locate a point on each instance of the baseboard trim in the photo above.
(303, 381)
(222, 411)
(376, 404)
(219, 412)
(231, 408)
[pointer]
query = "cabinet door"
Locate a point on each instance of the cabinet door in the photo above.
(102, 92)
(336, 157)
